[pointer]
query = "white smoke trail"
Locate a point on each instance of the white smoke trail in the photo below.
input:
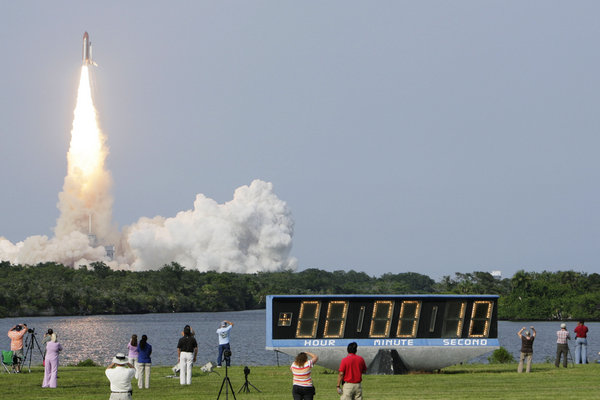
(86, 190)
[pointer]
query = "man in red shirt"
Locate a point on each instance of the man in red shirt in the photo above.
(581, 343)
(351, 369)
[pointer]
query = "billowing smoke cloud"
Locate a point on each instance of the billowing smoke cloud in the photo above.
(251, 233)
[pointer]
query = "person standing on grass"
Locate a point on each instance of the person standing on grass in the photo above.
(120, 373)
(51, 362)
(144, 363)
(224, 347)
(350, 374)
(303, 388)
(132, 353)
(562, 346)
(187, 350)
(581, 343)
(527, 339)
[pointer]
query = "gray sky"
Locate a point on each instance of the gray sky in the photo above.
(434, 137)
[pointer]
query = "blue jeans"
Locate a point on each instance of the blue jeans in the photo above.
(222, 348)
(580, 350)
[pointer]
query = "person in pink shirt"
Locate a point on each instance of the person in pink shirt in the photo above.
(16, 334)
(51, 362)
(132, 354)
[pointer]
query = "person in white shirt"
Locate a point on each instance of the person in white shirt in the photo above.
(119, 373)
(224, 347)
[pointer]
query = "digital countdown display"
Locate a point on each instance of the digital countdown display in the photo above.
(359, 317)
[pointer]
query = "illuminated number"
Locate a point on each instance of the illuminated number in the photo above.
(453, 319)
(480, 319)
(336, 319)
(308, 319)
(380, 322)
(361, 319)
(433, 318)
(285, 319)
(410, 311)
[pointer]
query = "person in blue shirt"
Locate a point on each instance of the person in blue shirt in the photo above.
(144, 363)
(224, 347)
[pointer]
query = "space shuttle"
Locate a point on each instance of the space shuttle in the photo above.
(86, 56)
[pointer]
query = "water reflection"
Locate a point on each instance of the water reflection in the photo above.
(100, 337)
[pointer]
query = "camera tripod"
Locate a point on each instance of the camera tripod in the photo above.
(30, 342)
(226, 382)
(246, 386)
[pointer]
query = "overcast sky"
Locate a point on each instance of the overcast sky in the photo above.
(426, 136)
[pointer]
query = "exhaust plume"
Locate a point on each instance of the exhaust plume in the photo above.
(252, 232)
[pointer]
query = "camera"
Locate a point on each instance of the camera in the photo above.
(31, 330)
(227, 353)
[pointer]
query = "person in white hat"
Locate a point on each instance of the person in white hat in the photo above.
(119, 373)
(562, 346)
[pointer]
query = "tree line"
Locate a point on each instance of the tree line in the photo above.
(54, 289)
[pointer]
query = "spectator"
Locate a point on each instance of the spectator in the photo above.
(224, 347)
(581, 343)
(16, 334)
(562, 346)
(303, 388)
(144, 363)
(350, 374)
(51, 362)
(527, 339)
(187, 350)
(132, 353)
(120, 373)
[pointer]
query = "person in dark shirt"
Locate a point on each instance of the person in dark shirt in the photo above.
(187, 350)
(527, 339)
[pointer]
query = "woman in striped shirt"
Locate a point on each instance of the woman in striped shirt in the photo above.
(303, 388)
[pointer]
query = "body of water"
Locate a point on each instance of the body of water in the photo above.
(99, 337)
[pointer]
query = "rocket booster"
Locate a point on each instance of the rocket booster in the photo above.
(86, 56)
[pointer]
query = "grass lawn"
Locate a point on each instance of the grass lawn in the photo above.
(474, 381)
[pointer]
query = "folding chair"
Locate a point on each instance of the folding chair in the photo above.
(8, 361)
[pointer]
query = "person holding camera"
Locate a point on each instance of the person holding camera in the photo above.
(51, 362)
(132, 355)
(527, 339)
(120, 373)
(224, 347)
(47, 336)
(16, 334)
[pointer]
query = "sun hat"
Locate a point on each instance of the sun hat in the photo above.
(563, 325)
(120, 359)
